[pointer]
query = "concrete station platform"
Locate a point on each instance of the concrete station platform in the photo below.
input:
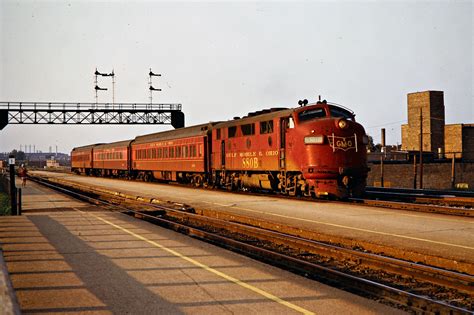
(95, 262)
(449, 238)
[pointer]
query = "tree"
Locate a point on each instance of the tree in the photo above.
(370, 145)
(21, 156)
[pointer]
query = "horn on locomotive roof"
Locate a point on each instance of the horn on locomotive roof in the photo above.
(303, 102)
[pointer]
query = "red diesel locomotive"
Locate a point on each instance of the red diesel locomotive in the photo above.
(314, 150)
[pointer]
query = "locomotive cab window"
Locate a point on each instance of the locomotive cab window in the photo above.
(218, 134)
(232, 131)
(266, 127)
(313, 113)
(340, 112)
(248, 129)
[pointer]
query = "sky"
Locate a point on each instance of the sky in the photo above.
(225, 59)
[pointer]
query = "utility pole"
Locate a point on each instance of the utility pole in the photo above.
(414, 171)
(453, 171)
(421, 148)
(382, 151)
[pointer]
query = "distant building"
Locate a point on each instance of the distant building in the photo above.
(438, 138)
(459, 141)
(39, 159)
(428, 106)
(52, 163)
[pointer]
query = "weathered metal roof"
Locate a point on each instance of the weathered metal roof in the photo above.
(256, 117)
(118, 144)
(85, 147)
(194, 131)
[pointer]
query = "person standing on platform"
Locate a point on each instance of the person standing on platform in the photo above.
(23, 172)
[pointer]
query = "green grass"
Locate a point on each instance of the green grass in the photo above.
(4, 204)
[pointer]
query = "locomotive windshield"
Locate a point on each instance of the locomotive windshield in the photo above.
(340, 112)
(312, 113)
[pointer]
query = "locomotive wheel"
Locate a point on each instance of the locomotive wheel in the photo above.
(229, 183)
(147, 178)
(197, 180)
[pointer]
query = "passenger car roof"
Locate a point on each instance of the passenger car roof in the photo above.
(123, 143)
(194, 131)
(253, 117)
(85, 147)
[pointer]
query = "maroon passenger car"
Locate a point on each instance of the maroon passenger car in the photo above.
(174, 155)
(112, 159)
(82, 159)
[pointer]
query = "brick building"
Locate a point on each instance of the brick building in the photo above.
(428, 107)
(459, 141)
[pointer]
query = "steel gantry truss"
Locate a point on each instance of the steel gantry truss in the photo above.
(90, 113)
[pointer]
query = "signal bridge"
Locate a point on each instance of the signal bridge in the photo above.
(90, 113)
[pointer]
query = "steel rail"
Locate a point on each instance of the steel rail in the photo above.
(415, 198)
(361, 285)
(413, 206)
(389, 204)
(458, 281)
(426, 192)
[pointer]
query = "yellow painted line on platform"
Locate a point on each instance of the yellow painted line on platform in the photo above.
(347, 227)
(207, 268)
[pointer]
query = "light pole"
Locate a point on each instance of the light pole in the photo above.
(11, 162)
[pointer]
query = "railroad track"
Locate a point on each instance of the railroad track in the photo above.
(411, 201)
(426, 192)
(415, 287)
(420, 196)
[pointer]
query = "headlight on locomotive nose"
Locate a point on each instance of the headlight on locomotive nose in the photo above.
(342, 124)
(314, 139)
